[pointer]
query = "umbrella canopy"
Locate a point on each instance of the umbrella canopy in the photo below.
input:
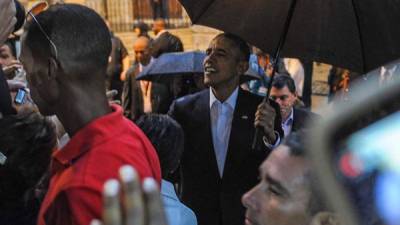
(169, 65)
(359, 35)
(172, 64)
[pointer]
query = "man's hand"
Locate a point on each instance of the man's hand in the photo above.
(265, 118)
(7, 19)
(11, 68)
(137, 206)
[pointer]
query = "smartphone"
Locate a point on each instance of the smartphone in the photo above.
(20, 97)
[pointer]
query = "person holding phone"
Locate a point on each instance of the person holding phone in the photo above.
(7, 23)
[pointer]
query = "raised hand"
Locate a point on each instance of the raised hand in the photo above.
(126, 202)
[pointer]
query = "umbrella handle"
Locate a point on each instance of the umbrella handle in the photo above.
(257, 140)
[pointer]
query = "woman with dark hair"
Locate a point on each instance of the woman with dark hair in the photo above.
(141, 30)
(26, 143)
(167, 137)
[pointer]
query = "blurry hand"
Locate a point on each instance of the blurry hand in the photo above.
(110, 96)
(265, 118)
(7, 19)
(11, 68)
(137, 206)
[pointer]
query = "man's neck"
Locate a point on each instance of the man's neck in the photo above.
(284, 120)
(81, 108)
(222, 94)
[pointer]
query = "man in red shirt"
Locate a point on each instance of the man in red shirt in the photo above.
(65, 53)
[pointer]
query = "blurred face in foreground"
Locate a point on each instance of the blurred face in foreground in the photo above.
(283, 194)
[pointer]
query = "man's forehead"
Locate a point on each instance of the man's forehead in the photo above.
(221, 42)
(284, 90)
(283, 166)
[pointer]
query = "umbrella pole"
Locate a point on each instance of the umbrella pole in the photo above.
(257, 140)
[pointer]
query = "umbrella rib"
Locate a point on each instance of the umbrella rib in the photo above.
(360, 36)
(194, 21)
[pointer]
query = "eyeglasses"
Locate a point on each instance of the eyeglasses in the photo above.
(35, 10)
(282, 97)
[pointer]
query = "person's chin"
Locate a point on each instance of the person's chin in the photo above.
(248, 221)
(208, 82)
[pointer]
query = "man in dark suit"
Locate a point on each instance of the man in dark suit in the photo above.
(218, 165)
(164, 41)
(283, 92)
(140, 97)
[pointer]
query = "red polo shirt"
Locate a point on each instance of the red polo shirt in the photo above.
(92, 156)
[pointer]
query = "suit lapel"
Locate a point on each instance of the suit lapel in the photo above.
(240, 123)
(201, 114)
(297, 120)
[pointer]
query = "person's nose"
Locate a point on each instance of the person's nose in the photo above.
(248, 199)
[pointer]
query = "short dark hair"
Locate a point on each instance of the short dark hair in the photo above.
(27, 140)
(242, 45)
(297, 143)
(282, 81)
(144, 28)
(82, 38)
(167, 137)
(11, 45)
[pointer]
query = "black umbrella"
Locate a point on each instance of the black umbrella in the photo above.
(359, 35)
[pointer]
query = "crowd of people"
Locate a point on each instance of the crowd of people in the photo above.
(72, 114)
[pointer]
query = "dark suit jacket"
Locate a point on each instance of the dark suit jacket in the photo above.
(166, 42)
(217, 201)
(132, 96)
(301, 118)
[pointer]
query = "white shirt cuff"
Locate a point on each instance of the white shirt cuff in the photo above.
(277, 142)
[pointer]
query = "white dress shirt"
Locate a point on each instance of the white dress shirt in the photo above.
(288, 124)
(221, 115)
(145, 87)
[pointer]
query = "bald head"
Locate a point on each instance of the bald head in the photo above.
(159, 25)
(142, 50)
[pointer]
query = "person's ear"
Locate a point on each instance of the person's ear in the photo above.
(53, 66)
(325, 218)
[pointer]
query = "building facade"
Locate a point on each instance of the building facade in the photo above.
(123, 14)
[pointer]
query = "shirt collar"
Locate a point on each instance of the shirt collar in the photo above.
(92, 134)
(168, 189)
(231, 100)
(159, 33)
(289, 119)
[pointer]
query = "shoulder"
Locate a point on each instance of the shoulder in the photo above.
(190, 100)
(298, 112)
(179, 214)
